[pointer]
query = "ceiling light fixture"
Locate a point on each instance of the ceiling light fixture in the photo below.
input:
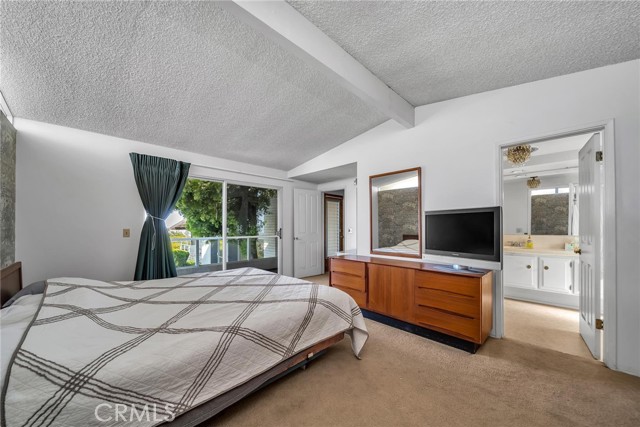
(533, 182)
(519, 154)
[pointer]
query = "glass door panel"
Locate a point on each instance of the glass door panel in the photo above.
(252, 227)
(195, 227)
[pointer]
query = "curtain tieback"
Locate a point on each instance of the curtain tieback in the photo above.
(153, 241)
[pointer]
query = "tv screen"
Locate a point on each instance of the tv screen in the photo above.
(464, 233)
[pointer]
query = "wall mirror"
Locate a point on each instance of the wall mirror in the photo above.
(545, 205)
(396, 213)
(554, 211)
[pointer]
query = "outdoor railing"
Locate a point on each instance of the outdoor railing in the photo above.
(234, 249)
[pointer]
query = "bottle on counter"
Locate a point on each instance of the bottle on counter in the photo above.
(529, 244)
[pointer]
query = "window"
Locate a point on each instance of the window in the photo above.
(557, 190)
(199, 239)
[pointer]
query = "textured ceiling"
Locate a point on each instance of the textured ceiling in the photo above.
(187, 75)
(433, 51)
(183, 75)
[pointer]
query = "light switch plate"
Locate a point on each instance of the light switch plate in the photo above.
(126, 232)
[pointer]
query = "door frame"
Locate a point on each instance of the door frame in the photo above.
(325, 197)
(608, 255)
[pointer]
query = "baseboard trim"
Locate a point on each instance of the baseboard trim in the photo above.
(542, 297)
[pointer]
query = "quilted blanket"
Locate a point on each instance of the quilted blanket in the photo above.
(141, 353)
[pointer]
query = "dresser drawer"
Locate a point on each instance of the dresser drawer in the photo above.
(469, 286)
(450, 323)
(359, 297)
(348, 267)
(457, 303)
(348, 281)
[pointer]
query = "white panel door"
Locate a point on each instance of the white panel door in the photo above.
(307, 232)
(557, 274)
(521, 271)
(589, 193)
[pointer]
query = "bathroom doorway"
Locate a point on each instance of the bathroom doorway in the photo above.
(554, 295)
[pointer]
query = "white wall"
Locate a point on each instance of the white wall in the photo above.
(455, 142)
(76, 192)
(515, 209)
(350, 206)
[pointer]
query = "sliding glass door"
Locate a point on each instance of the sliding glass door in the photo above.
(252, 227)
(219, 225)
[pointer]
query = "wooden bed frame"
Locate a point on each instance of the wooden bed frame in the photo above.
(10, 281)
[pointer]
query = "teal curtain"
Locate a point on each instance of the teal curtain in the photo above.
(160, 182)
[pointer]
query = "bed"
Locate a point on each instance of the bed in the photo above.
(172, 351)
(410, 244)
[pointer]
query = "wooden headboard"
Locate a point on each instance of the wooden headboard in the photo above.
(10, 281)
(410, 237)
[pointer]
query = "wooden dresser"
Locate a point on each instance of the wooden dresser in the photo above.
(431, 296)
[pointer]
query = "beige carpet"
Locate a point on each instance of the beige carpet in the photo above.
(545, 326)
(406, 380)
(322, 279)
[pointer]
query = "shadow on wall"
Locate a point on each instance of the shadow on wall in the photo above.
(7, 192)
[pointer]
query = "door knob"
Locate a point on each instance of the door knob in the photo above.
(529, 267)
(546, 267)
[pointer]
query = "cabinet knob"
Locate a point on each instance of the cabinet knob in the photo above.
(546, 267)
(529, 266)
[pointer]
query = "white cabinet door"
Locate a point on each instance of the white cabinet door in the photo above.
(520, 271)
(556, 274)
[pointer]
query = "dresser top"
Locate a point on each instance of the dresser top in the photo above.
(416, 265)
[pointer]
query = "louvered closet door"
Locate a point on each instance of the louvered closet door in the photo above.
(333, 216)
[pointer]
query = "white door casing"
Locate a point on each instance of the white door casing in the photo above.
(307, 232)
(589, 196)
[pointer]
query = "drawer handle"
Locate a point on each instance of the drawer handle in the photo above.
(529, 266)
(546, 267)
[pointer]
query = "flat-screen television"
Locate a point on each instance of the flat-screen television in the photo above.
(464, 233)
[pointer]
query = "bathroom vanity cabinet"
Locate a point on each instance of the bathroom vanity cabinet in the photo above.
(547, 277)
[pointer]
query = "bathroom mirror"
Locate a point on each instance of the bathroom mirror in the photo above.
(396, 213)
(554, 211)
(551, 208)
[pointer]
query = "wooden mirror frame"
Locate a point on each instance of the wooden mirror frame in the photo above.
(419, 213)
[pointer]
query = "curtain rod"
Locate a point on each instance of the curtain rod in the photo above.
(243, 173)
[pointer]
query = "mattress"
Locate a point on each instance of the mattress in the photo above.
(179, 343)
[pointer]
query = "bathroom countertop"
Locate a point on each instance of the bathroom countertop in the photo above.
(538, 251)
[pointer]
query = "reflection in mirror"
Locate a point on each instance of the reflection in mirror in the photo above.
(549, 209)
(554, 211)
(396, 213)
